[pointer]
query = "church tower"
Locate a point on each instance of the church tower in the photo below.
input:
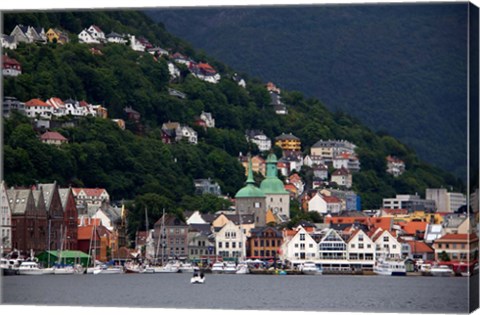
(277, 198)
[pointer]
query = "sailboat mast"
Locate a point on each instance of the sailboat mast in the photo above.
(163, 236)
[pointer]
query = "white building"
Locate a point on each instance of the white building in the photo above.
(195, 218)
(8, 42)
(36, 107)
(342, 177)
(187, 133)
(5, 221)
(230, 241)
(409, 202)
(97, 33)
(386, 245)
(135, 44)
(446, 201)
(87, 37)
(299, 248)
(361, 250)
(332, 250)
(116, 38)
(325, 204)
(208, 119)
(173, 70)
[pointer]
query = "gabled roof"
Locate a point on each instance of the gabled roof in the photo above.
(48, 191)
(284, 136)
(458, 237)
(37, 102)
(259, 230)
(413, 227)
(10, 61)
(18, 199)
(330, 199)
(92, 192)
(341, 172)
(170, 220)
(418, 247)
(53, 135)
(204, 229)
(98, 29)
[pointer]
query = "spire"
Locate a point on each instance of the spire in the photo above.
(250, 179)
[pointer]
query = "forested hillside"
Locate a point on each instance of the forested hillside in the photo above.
(137, 165)
(400, 69)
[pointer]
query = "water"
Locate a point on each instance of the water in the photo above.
(251, 292)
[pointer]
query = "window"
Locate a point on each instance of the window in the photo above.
(234, 245)
(227, 244)
(302, 246)
(267, 243)
(296, 245)
(352, 246)
(219, 244)
(394, 246)
(369, 246)
(302, 237)
(361, 245)
(385, 238)
(262, 243)
(360, 237)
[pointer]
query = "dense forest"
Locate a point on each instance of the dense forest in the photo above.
(134, 164)
(400, 69)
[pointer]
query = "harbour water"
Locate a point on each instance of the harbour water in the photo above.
(251, 292)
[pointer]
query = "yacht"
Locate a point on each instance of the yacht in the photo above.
(29, 268)
(390, 268)
(64, 270)
(242, 268)
(187, 267)
(309, 268)
(10, 266)
(168, 268)
(217, 267)
(230, 267)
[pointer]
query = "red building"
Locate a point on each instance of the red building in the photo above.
(54, 209)
(10, 66)
(70, 215)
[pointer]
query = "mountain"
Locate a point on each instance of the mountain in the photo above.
(134, 164)
(400, 69)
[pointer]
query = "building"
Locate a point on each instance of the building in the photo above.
(204, 71)
(90, 199)
(277, 199)
(387, 246)
(342, 177)
(264, 243)
(395, 166)
(258, 164)
(278, 106)
(329, 149)
(251, 200)
(288, 142)
(361, 251)
(55, 215)
(325, 204)
(445, 201)
(201, 243)
(12, 104)
(55, 35)
(207, 186)
(180, 132)
(53, 137)
(70, 215)
(417, 250)
(457, 247)
(135, 44)
(116, 38)
(230, 241)
(37, 108)
(410, 202)
(8, 42)
(259, 138)
(173, 242)
(5, 221)
(300, 247)
(10, 67)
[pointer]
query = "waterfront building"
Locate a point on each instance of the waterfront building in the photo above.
(361, 251)
(174, 241)
(457, 247)
(201, 243)
(230, 241)
(5, 221)
(264, 243)
(387, 246)
(417, 250)
(70, 215)
(55, 215)
(300, 247)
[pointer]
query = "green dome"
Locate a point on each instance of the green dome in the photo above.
(250, 191)
(272, 186)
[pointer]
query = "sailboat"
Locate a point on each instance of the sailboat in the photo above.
(163, 268)
(61, 268)
(95, 269)
(242, 267)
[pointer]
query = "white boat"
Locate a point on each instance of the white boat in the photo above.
(230, 267)
(187, 267)
(197, 278)
(390, 268)
(9, 267)
(48, 271)
(168, 268)
(217, 267)
(30, 268)
(309, 268)
(242, 269)
(65, 270)
(441, 271)
(109, 270)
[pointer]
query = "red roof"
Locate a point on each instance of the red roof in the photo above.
(53, 135)
(93, 192)
(458, 237)
(419, 247)
(412, 227)
(295, 178)
(206, 67)
(84, 232)
(56, 100)
(98, 29)
(342, 171)
(393, 159)
(83, 104)
(395, 211)
(9, 61)
(37, 102)
(331, 199)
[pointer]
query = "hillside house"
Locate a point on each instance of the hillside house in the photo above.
(395, 166)
(329, 149)
(278, 106)
(36, 107)
(204, 71)
(116, 38)
(288, 142)
(324, 204)
(342, 177)
(258, 164)
(10, 67)
(12, 104)
(55, 35)
(207, 186)
(259, 138)
(136, 44)
(8, 42)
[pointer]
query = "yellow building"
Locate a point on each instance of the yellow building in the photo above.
(54, 35)
(288, 142)
(258, 164)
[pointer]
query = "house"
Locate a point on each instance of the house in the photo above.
(132, 114)
(145, 42)
(10, 67)
(324, 204)
(288, 142)
(179, 58)
(174, 243)
(457, 224)
(97, 33)
(264, 243)
(387, 246)
(328, 149)
(417, 250)
(12, 104)
(194, 217)
(278, 106)
(120, 123)
(204, 71)
(273, 88)
(29, 221)
(299, 248)
(55, 35)
(55, 215)
(173, 71)
(296, 180)
(395, 166)
(36, 107)
(88, 37)
(20, 34)
(361, 250)
(58, 106)
(201, 243)
(246, 221)
(157, 51)
(433, 232)
(90, 198)
(53, 137)
(116, 38)
(320, 171)
(259, 138)
(415, 229)
(457, 247)
(73, 107)
(342, 177)
(135, 44)
(8, 42)
(70, 215)
(111, 216)
(176, 93)
(208, 119)
(241, 82)
(207, 186)
(258, 164)
(186, 132)
(5, 220)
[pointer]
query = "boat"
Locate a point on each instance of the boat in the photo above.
(242, 268)
(230, 267)
(197, 278)
(9, 266)
(309, 268)
(30, 268)
(390, 268)
(187, 267)
(64, 270)
(217, 267)
(131, 267)
(168, 268)
(425, 269)
(441, 271)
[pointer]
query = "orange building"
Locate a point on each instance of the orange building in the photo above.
(264, 242)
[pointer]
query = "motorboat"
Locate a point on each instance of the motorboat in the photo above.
(242, 269)
(441, 271)
(230, 267)
(9, 267)
(30, 268)
(390, 268)
(197, 278)
(187, 267)
(309, 268)
(63, 270)
(218, 267)
(168, 268)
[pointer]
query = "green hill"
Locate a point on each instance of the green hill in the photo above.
(135, 164)
(400, 69)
